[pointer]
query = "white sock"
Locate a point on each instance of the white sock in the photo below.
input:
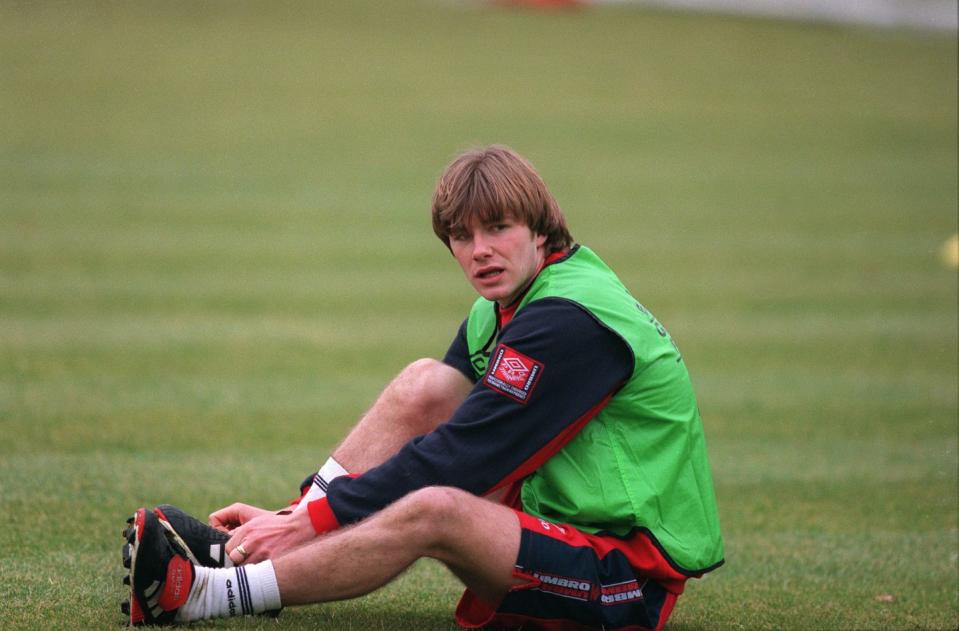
(238, 591)
(330, 470)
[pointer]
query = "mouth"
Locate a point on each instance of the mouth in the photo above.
(488, 273)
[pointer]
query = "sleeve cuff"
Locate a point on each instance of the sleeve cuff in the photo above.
(321, 516)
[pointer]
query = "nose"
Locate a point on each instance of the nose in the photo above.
(481, 245)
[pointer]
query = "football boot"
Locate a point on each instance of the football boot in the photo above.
(161, 574)
(203, 544)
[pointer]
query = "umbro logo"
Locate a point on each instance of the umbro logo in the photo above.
(514, 369)
(512, 373)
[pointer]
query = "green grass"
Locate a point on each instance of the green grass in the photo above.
(215, 249)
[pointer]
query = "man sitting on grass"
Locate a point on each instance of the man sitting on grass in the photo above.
(554, 460)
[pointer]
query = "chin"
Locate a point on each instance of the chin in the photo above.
(492, 296)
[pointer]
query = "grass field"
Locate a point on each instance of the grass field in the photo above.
(215, 249)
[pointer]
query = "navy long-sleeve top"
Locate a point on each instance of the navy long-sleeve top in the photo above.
(493, 439)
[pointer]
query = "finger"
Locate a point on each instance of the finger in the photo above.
(237, 535)
(217, 520)
(226, 518)
(236, 557)
(216, 523)
(224, 524)
(238, 549)
(253, 553)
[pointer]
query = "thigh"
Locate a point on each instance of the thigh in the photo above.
(477, 539)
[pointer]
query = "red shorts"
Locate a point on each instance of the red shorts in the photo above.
(576, 581)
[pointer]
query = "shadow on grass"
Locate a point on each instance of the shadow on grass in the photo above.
(369, 616)
(687, 626)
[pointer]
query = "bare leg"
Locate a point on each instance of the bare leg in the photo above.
(421, 397)
(477, 539)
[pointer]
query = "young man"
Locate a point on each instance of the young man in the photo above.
(554, 460)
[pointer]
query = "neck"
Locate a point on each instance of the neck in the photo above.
(509, 306)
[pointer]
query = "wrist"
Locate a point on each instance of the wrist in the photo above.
(300, 525)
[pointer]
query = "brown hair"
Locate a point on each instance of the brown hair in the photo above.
(490, 183)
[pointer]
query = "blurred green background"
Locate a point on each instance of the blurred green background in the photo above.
(215, 249)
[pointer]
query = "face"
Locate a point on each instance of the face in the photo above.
(500, 258)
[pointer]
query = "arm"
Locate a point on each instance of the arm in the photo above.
(501, 432)
(458, 355)
(424, 395)
(491, 440)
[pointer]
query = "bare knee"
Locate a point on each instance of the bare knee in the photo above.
(475, 538)
(430, 514)
(417, 390)
(413, 381)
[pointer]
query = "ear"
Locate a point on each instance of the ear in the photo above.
(539, 240)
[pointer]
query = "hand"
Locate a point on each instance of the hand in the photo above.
(233, 516)
(268, 535)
